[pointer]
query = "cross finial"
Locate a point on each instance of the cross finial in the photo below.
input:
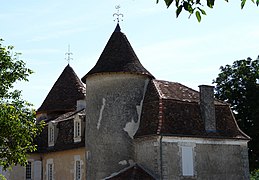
(118, 14)
(68, 55)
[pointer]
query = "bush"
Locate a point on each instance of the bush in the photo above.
(255, 175)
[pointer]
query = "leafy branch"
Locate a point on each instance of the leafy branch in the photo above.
(195, 6)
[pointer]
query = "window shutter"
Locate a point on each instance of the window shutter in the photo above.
(187, 161)
(37, 170)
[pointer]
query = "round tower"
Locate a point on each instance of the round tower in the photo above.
(115, 89)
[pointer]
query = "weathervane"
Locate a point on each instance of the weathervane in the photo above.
(68, 54)
(118, 14)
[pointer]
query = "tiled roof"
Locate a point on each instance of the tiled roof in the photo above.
(118, 56)
(173, 109)
(134, 172)
(65, 92)
(64, 135)
(62, 117)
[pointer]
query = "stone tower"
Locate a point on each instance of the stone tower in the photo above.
(115, 89)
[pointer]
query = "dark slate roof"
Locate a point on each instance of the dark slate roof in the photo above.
(65, 134)
(173, 109)
(135, 172)
(118, 56)
(65, 92)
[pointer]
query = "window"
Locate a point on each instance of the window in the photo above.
(78, 170)
(77, 167)
(51, 134)
(28, 174)
(50, 169)
(77, 129)
(51, 139)
(187, 161)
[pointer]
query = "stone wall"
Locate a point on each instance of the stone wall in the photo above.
(147, 154)
(213, 159)
(113, 109)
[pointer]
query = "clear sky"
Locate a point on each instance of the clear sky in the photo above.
(173, 49)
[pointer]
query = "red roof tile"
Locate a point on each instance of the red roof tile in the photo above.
(173, 109)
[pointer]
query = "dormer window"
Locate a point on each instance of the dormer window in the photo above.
(77, 129)
(51, 134)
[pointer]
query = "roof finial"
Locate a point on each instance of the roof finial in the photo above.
(68, 54)
(118, 14)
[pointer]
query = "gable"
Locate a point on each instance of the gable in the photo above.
(131, 173)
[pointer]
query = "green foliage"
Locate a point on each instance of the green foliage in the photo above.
(238, 85)
(17, 120)
(254, 175)
(12, 70)
(2, 177)
(196, 6)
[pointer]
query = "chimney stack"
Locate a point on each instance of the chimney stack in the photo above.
(207, 107)
(80, 104)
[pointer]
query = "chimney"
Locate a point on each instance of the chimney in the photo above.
(80, 104)
(207, 107)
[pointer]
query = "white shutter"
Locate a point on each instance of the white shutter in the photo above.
(37, 170)
(187, 161)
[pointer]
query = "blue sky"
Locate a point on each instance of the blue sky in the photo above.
(174, 49)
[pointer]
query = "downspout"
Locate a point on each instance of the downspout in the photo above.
(161, 157)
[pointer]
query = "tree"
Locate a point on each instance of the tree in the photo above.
(239, 85)
(196, 6)
(254, 175)
(17, 120)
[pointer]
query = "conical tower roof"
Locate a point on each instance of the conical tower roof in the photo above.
(118, 56)
(64, 94)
